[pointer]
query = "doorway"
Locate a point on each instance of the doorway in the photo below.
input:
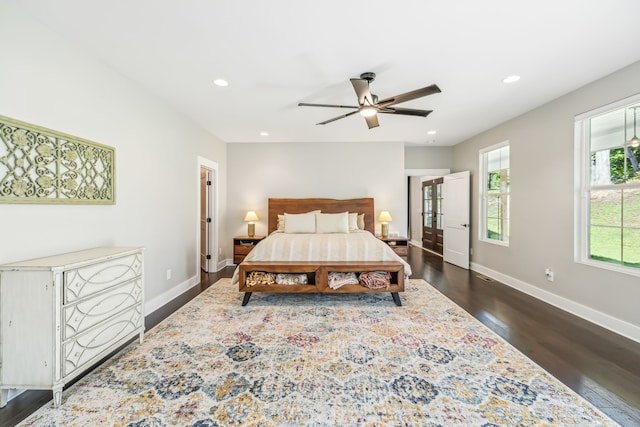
(208, 216)
(453, 196)
(432, 224)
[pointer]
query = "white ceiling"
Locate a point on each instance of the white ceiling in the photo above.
(277, 53)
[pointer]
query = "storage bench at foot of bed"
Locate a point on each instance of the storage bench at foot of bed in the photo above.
(318, 276)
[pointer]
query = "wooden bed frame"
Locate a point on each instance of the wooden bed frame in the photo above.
(318, 271)
(297, 206)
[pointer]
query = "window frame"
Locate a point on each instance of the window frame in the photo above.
(583, 187)
(483, 194)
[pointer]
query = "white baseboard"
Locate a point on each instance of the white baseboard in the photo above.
(15, 392)
(419, 246)
(607, 321)
(154, 304)
(176, 291)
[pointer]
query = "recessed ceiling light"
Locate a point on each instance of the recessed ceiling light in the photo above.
(431, 132)
(511, 79)
(264, 133)
(221, 82)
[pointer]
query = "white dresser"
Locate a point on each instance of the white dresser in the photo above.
(60, 315)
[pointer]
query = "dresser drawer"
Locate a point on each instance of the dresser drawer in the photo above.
(401, 250)
(87, 280)
(88, 312)
(92, 343)
(242, 249)
(62, 314)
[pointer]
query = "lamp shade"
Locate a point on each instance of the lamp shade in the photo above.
(251, 216)
(384, 216)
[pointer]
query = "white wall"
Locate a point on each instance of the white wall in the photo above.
(258, 172)
(45, 80)
(542, 215)
(428, 157)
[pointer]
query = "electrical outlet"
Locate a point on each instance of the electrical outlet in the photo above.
(169, 274)
(219, 251)
(548, 274)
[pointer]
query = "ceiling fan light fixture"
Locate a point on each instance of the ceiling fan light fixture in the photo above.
(369, 106)
(368, 111)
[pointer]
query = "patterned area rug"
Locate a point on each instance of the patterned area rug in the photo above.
(320, 360)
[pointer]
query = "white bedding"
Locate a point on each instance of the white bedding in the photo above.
(354, 246)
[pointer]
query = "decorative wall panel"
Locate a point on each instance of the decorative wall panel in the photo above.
(39, 165)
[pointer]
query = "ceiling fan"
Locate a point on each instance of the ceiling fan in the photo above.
(369, 106)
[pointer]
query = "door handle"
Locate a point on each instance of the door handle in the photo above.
(464, 225)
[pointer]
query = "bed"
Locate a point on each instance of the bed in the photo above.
(311, 260)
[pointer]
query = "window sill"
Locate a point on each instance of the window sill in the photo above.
(611, 267)
(495, 242)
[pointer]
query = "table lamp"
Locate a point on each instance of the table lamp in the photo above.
(385, 218)
(251, 227)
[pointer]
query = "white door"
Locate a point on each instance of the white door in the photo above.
(455, 207)
(205, 218)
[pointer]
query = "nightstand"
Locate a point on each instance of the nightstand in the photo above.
(242, 245)
(400, 245)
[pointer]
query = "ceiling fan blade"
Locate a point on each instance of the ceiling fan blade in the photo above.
(405, 111)
(418, 93)
(304, 104)
(361, 86)
(337, 118)
(372, 121)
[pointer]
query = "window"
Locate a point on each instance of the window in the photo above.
(494, 194)
(608, 186)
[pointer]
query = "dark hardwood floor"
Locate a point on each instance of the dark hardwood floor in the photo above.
(599, 365)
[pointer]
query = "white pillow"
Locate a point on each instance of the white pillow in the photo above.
(280, 226)
(332, 223)
(353, 221)
(361, 222)
(299, 223)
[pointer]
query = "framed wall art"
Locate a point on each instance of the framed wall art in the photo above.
(39, 165)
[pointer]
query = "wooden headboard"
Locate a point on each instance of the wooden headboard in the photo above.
(295, 206)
